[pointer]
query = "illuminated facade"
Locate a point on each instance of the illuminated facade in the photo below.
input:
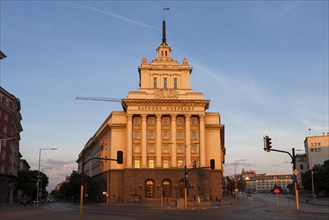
(163, 127)
(317, 149)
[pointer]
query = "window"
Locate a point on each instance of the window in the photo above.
(137, 164)
(165, 135)
(180, 149)
(151, 121)
(155, 82)
(165, 83)
(180, 135)
(180, 163)
(151, 135)
(194, 121)
(137, 149)
(137, 135)
(165, 163)
(193, 134)
(151, 149)
(165, 148)
(175, 83)
(301, 166)
(137, 121)
(165, 122)
(179, 122)
(151, 163)
(194, 149)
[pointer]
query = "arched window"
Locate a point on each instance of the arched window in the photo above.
(149, 188)
(181, 188)
(166, 186)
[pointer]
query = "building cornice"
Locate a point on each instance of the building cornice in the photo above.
(165, 102)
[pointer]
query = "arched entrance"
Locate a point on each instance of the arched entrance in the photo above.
(167, 188)
(149, 188)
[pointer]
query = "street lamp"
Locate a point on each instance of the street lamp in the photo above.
(235, 182)
(38, 181)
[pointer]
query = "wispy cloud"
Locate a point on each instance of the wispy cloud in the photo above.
(118, 16)
(243, 86)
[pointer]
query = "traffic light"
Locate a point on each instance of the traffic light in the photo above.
(267, 144)
(212, 164)
(119, 157)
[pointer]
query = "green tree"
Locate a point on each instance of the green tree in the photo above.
(320, 178)
(71, 189)
(27, 183)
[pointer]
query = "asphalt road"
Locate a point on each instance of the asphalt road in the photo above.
(259, 207)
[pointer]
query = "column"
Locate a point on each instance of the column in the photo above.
(187, 140)
(173, 141)
(158, 141)
(144, 141)
(202, 142)
(129, 141)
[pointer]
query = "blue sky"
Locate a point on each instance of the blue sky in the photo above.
(263, 65)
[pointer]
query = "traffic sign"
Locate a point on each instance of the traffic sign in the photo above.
(296, 172)
(276, 191)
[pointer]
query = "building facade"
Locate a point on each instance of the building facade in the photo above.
(316, 149)
(163, 127)
(10, 128)
(264, 183)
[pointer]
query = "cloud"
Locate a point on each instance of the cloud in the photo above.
(244, 85)
(57, 170)
(119, 17)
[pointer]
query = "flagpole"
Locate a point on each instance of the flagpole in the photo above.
(163, 15)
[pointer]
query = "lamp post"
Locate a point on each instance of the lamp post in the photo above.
(235, 182)
(312, 173)
(38, 181)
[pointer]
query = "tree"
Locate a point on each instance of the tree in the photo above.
(27, 183)
(320, 178)
(71, 189)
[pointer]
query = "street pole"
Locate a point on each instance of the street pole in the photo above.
(312, 177)
(82, 183)
(295, 178)
(235, 178)
(185, 187)
(38, 180)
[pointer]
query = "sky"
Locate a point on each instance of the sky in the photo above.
(263, 65)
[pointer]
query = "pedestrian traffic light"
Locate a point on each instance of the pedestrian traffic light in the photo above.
(267, 144)
(212, 164)
(119, 157)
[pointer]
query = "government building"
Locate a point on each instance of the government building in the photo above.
(163, 127)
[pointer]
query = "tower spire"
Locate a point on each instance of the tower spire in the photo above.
(164, 41)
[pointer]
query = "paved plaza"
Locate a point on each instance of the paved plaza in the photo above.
(261, 206)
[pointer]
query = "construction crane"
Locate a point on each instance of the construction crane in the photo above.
(103, 99)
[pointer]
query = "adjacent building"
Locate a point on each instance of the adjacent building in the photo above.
(10, 128)
(264, 183)
(163, 127)
(316, 149)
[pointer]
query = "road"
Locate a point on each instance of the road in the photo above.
(260, 207)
